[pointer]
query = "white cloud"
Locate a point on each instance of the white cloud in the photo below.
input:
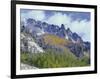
(82, 27)
(58, 19)
(37, 15)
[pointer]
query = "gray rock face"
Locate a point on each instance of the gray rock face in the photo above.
(77, 49)
(87, 46)
(28, 44)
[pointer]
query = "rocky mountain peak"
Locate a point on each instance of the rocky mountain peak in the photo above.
(53, 29)
(30, 21)
(38, 29)
(68, 30)
(62, 27)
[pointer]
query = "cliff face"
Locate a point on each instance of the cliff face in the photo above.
(28, 44)
(37, 36)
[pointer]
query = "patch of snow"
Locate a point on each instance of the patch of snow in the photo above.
(30, 46)
(35, 46)
(66, 37)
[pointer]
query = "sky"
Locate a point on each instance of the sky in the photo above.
(78, 22)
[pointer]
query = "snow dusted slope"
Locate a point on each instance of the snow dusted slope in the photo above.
(28, 44)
